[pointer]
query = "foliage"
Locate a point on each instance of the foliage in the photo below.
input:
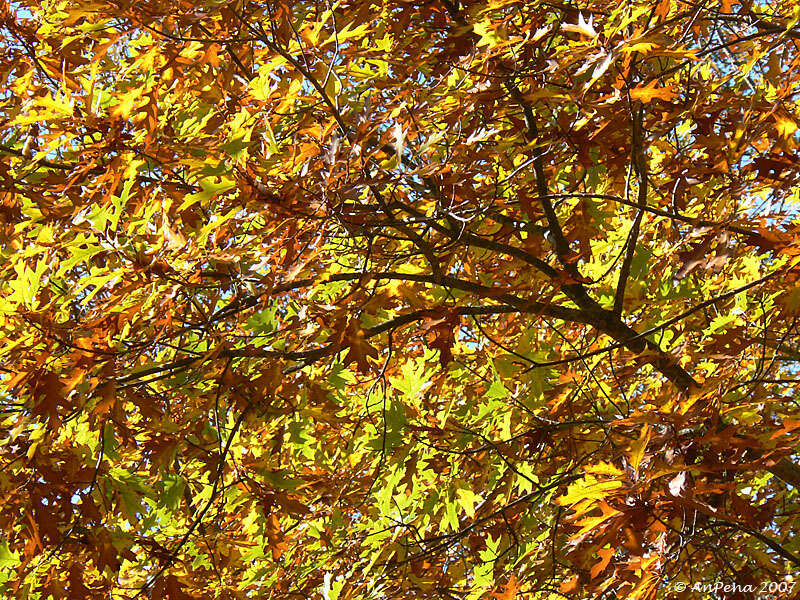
(387, 299)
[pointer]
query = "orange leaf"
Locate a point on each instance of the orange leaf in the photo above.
(442, 332)
(604, 468)
(662, 10)
(510, 591)
(569, 585)
(605, 558)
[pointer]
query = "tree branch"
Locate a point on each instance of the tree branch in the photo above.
(640, 165)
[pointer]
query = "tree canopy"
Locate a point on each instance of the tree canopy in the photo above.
(383, 299)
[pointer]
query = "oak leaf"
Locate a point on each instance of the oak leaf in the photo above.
(651, 91)
(358, 347)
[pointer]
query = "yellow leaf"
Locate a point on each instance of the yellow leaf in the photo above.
(589, 523)
(487, 34)
(261, 86)
(126, 103)
(333, 86)
(647, 92)
(604, 468)
(642, 47)
(56, 104)
(638, 447)
(785, 125)
(586, 489)
(467, 499)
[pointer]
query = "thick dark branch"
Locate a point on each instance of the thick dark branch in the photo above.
(591, 311)
(640, 165)
(512, 304)
(426, 249)
(560, 243)
(661, 361)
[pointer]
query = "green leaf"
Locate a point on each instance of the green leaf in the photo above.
(8, 559)
(173, 491)
(235, 147)
(211, 186)
(497, 390)
(281, 480)
(412, 382)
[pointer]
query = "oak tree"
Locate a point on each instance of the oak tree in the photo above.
(350, 299)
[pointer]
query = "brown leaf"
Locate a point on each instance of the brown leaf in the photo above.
(77, 589)
(275, 538)
(359, 348)
(441, 335)
(49, 395)
(694, 258)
